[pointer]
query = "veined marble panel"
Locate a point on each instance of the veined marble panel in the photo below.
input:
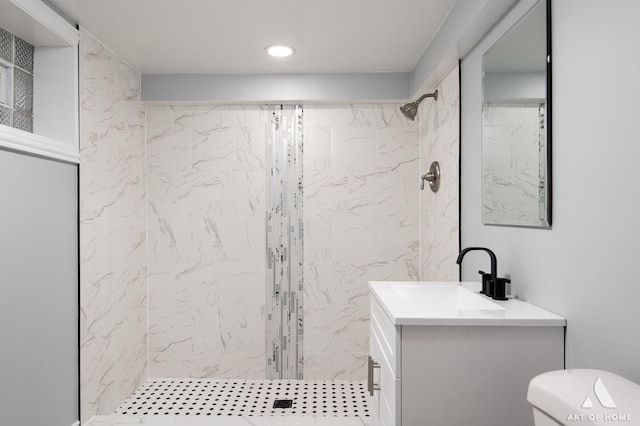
(379, 116)
(406, 200)
(317, 238)
(440, 141)
(229, 148)
(361, 212)
(210, 365)
(184, 329)
(88, 247)
(317, 149)
(219, 284)
(206, 116)
(440, 248)
(229, 193)
(359, 193)
(355, 237)
(355, 276)
(353, 148)
(322, 287)
(206, 224)
(347, 331)
(324, 193)
(168, 149)
(113, 292)
(396, 146)
(335, 365)
(206, 329)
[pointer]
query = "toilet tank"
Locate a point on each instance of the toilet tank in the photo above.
(584, 397)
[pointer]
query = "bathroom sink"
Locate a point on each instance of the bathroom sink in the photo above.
(444, 297)
(454, 303)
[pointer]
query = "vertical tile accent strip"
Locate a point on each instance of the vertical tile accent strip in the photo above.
(284, 243)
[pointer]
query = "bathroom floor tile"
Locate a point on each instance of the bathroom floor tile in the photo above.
(125, 420)
(248, 398)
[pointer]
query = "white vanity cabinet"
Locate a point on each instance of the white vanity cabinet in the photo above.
(440, 371)
(384, 368)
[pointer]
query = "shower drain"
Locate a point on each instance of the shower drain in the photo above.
(283, 403)
(207, 397)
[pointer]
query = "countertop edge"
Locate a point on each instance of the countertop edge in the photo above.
(472, 322)
(554, 320)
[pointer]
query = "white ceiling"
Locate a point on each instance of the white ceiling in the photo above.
(229, 36)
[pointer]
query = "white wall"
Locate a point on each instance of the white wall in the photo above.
(584, 268)
(38, 290)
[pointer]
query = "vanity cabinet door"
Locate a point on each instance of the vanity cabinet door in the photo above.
(389, 410)
(373, 377)
(385, 344)
(389, 337)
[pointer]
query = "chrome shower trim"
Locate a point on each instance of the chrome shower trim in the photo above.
(410, 110)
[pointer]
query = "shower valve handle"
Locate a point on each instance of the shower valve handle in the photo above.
(428, 177)
(432, 176)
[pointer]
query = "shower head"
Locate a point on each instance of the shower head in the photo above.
(411, 109)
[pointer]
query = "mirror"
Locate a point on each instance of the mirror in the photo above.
(516, 136)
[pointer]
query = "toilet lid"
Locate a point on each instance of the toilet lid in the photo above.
(583, 396)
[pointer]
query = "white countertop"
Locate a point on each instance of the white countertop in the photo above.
(454, 303)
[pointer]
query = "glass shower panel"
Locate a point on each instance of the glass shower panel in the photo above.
(284, 243)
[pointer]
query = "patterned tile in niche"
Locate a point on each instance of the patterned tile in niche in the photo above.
(22, 121)
(24, 55)
(23, 91)
(205, 397)
(5, 116)
(6, 45)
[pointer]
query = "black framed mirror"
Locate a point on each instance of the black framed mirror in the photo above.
(516, 123)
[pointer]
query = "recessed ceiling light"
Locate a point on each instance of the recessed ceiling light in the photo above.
(279, 50)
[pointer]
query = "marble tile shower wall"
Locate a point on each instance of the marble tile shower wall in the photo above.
(439, 212)
(206, 244)
(113, 328)
(360, 223)
(206, 204)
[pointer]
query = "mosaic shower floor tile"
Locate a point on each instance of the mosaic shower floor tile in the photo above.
(250, 398)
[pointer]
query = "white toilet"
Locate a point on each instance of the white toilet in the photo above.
(584, 397)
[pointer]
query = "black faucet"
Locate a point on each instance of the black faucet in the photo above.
(492, 285)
